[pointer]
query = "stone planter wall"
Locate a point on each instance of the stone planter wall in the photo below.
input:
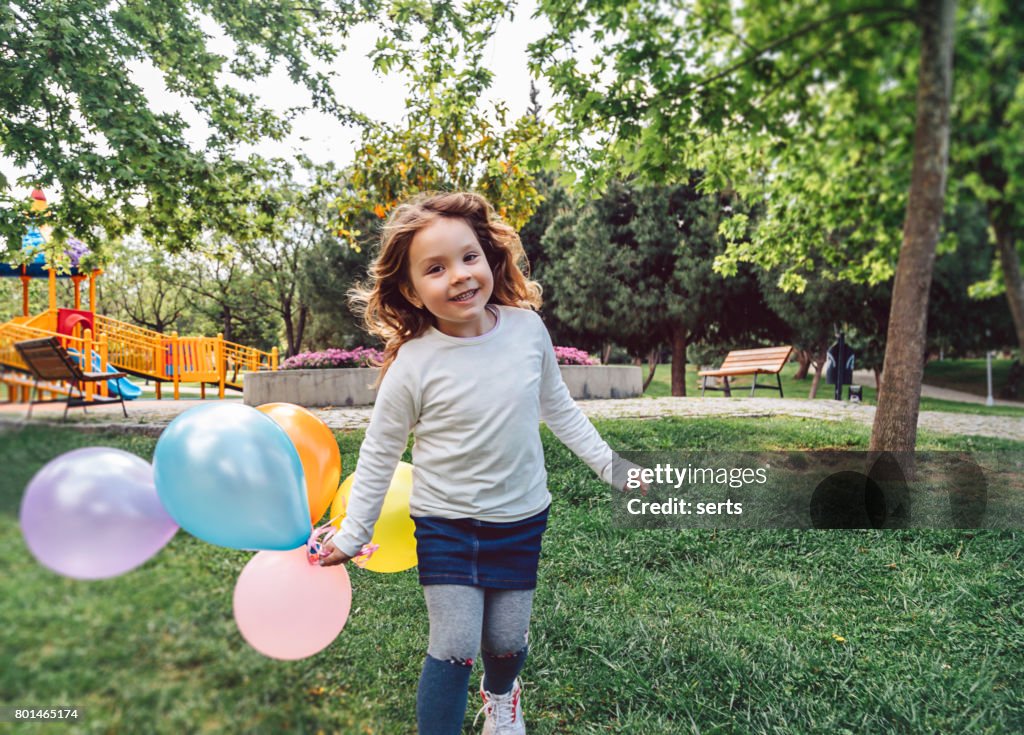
(586, 382)
(312, 388)
(352, 386)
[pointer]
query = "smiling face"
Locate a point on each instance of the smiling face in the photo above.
(450, 277)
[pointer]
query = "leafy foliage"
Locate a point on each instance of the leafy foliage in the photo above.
(802, 108)
(635, 267)
(74, 116)
(447, 141)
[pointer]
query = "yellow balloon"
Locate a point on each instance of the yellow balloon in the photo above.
(395, 530)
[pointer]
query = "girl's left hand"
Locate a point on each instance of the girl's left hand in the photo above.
(331, 555)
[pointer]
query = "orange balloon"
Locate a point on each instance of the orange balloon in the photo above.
(318, 451)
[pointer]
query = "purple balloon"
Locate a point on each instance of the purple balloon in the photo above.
(94, 513)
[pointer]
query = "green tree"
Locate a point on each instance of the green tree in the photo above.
(297, 218)
(825, 307)
(635, 267)
(959, 323)
(615, 302)
(899, 398)
(71, 113)
(330, 267)
(222, 286)
(447, 140)
(555, 202)
(987, 151)
(140, 286)
(730, 88)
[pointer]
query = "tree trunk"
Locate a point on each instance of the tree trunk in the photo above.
(804, 358)
(878, 380)
(1007, 249)
(606, 353)
(652, 366)
(300, 329)
(679, 336)
(895, 425)
(289, 327)
(226, 316)
(818, 366)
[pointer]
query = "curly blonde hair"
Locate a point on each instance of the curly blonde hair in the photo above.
(383, 308)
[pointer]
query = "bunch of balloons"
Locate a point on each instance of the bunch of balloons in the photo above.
(234, 476)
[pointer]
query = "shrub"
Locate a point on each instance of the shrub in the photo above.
(333, 358)
(573, 356)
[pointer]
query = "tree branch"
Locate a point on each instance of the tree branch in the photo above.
(802, 66)
(896, 13)
(731, 32)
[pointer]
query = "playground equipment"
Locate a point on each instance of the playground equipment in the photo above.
(50, 362)
(112, 346)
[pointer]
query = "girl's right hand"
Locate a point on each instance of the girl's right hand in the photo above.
(331, 555)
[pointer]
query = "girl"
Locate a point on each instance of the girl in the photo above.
(469, 368)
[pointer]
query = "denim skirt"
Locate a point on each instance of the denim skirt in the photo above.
(478, 553)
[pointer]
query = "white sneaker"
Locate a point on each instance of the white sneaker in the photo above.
(504, 712)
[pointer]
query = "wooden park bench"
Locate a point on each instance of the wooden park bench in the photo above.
(47, 360)
(763, 361)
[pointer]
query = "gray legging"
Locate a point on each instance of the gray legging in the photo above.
(462, 618)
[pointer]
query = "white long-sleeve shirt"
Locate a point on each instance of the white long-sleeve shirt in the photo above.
(474, 405)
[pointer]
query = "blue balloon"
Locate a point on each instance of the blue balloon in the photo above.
(228, 474)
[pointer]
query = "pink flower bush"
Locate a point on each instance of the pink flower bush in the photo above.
(573, 356)
(333, 358)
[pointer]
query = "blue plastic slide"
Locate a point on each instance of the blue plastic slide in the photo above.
(118, 387)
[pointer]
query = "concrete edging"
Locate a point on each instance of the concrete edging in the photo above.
(588, 382)
(353, 386)
(311, 388)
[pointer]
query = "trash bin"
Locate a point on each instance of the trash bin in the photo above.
(839, 361)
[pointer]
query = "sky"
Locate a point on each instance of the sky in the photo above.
(323, 138)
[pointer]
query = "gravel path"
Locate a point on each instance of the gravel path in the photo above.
(150, 417)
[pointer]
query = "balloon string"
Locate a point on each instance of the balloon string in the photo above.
(344, 507)
(364, 555)
(324, 533)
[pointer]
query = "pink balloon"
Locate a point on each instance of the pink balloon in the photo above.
(287, 608)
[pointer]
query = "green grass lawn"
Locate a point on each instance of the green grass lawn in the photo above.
(938, 404)
(661, 386)
(634, 632)
(969, 376)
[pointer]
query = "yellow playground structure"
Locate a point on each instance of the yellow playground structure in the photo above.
(114, 346)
